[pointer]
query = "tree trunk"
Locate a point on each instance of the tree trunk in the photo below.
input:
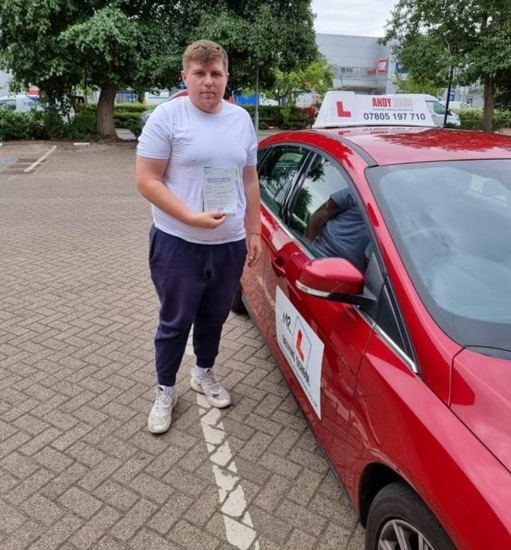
(489, 103)
(105, 111)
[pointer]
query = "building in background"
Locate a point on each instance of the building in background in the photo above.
(364, 66)
(360, 64)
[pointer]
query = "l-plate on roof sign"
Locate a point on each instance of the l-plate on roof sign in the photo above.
(344, 109)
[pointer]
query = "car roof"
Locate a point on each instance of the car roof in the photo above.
(388, 145)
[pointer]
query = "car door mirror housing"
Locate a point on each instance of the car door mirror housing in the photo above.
(330, 278)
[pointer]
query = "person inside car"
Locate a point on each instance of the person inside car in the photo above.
(337, 229)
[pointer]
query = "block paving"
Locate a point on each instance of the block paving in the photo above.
(78, 468)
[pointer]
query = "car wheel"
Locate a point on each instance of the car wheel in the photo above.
(399, 520)
(237, 303)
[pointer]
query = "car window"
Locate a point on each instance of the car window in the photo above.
(322, 179)
(326, 216)
(451, 223)
(438, 108)
(8, 104)
(277, 169)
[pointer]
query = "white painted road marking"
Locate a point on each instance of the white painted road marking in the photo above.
(237, 520)
(40, 159)
(238, 523)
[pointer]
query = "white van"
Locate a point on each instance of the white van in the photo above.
(437, 109)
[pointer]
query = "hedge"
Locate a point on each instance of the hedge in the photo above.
(472, 119)
(118, 107)
(287, 118)
(45, 125)
(129, 120)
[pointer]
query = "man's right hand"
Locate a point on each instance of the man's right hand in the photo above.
(207, 220)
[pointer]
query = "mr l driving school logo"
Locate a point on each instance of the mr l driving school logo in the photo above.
(298, 345)
(301, 347)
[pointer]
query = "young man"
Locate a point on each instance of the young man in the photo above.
(196, 164)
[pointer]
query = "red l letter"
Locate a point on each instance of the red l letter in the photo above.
(341, 112)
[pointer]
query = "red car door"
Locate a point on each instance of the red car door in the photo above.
(318, 344)
(252, 279)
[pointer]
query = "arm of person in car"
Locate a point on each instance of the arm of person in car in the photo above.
(149, 178)
(253, 214)
(326, 211)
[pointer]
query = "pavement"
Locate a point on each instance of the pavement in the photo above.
(78, 468)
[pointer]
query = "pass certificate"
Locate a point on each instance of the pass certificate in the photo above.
(221, 190)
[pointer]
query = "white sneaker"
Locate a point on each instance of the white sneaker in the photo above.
(216, 394)
(160, 418)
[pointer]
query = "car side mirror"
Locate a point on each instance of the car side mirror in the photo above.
(330, 278)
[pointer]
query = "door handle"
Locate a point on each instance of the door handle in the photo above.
(278, 266)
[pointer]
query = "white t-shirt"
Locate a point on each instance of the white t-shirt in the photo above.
(193, 140)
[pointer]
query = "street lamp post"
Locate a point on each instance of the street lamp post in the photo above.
(449, 86)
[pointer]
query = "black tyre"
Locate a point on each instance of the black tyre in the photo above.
(237, 303)
(399, 520)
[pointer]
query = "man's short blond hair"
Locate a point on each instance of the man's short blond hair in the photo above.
(205, 52)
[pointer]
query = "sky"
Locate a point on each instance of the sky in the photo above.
(356, 17)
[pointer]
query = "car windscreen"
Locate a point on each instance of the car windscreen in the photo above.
(451, 223)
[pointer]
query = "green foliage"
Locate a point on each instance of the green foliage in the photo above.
(83, 128)
(118, 108)
(417, 84)
(295, 118)
(427, 59)
(259, 35)
(472, 36)
(130, 121)
(286, 118)
(50, 125)
(132, 108)
(15, 126)
(313, 77)
(86, 108)
(45, 125)
(503, 93)
(472, 119)
(60, 45)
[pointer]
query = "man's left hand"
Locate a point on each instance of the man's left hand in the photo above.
(254, 249)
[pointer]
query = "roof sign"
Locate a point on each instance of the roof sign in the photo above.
(349, 109)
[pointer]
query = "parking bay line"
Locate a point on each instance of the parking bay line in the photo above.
(40, 160)
(238, 523)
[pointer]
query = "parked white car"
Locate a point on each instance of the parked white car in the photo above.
(156, 99)
(23, 103)
(19, 103)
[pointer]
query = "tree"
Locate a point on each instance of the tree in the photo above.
(417, 85)
(416, 53)
(61, 44)
(503, 90)
(471, 36)
(314, 77)
(259, 35)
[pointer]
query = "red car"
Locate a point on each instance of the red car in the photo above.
(401, 362)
